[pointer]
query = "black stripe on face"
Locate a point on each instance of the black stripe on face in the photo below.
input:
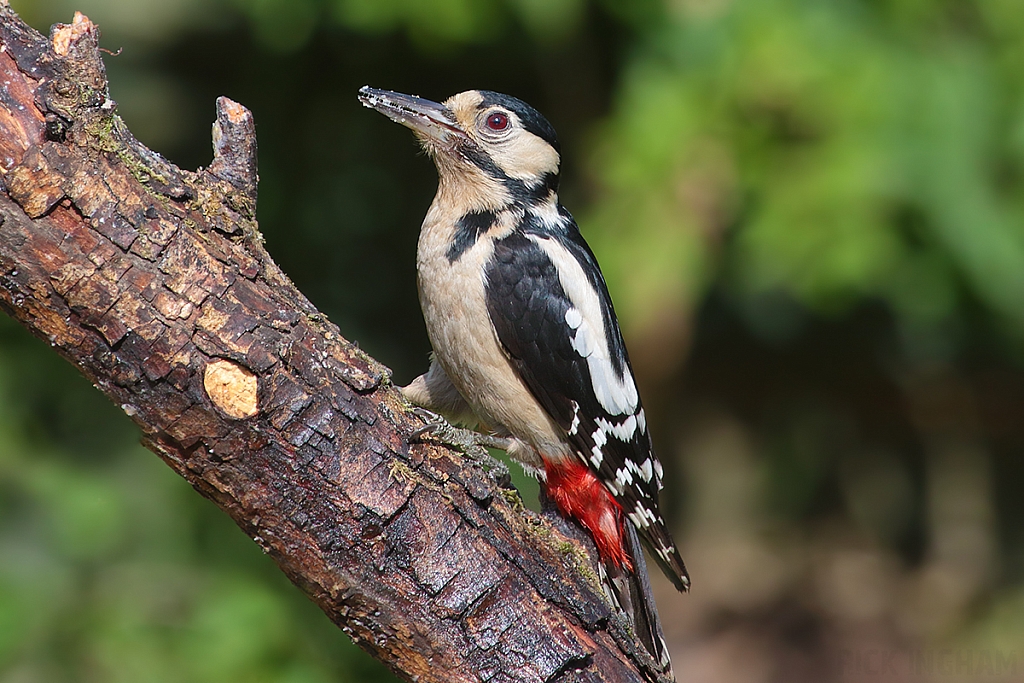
(520, 191)
(467, 231)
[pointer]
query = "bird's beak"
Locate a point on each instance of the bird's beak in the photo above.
(428, 119)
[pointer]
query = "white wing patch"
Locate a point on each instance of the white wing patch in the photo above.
(623, 477)
(575, 418)
(645, 469)
(623, 432)
(597, 453)
(639, 516)
(642, 516)
(573, 318)
(616, 393)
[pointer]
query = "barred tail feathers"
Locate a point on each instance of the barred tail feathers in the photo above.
(579, 495)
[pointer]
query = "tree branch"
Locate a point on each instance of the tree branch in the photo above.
(153, 282)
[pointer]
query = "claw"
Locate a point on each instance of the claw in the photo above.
(497, 470)
(434, 422)
(473, 444)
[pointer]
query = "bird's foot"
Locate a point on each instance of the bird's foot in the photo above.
(473, 444)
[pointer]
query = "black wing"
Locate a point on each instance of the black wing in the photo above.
(532, 314)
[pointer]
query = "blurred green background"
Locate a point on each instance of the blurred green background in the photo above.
(811, 217)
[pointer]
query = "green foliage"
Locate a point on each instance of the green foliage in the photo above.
(843, 151)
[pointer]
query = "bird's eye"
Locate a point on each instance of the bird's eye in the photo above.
(497, 121)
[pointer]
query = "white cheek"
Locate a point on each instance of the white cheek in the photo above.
(524, 156)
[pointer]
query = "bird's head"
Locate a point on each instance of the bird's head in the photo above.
(483, 139)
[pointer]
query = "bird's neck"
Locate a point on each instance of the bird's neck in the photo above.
(471, 184)
(469, 190)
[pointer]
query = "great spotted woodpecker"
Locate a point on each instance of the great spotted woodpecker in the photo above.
(526, 343)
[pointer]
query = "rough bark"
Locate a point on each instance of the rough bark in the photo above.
(153, 281)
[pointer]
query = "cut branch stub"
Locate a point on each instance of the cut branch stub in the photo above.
(153, 282)
(234, 148)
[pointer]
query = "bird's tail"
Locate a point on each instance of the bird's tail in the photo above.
(631, 592)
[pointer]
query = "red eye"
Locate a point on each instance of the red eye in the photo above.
(497, 121)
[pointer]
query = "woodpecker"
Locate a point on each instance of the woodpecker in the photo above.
(525, 339)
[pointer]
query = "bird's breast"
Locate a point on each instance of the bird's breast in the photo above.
(453, 298)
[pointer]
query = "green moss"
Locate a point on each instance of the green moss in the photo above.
(511, 497)
(138, 169)
(398, 470)
(101, 133)
(581, 560)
